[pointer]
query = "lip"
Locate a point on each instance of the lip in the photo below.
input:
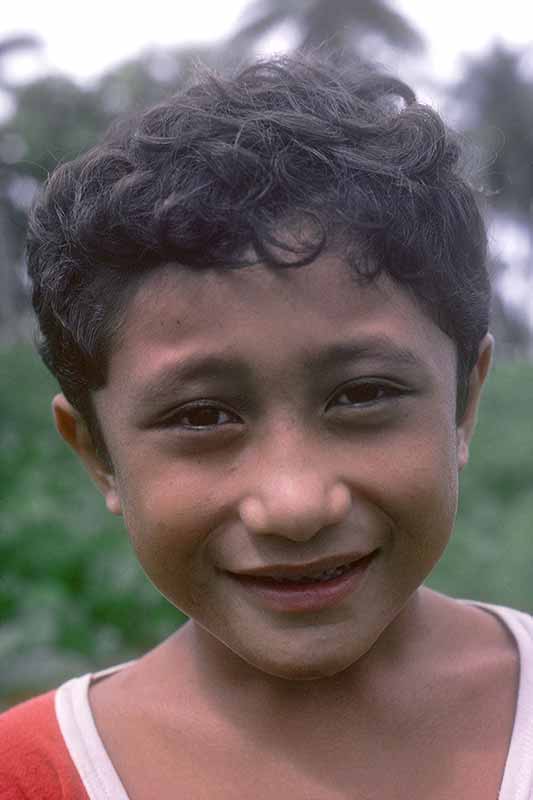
(299, 570)
(301, 597)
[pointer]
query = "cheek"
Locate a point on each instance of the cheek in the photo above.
(168, 521)
(423, 492)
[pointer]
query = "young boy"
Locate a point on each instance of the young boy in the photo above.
(266, 303)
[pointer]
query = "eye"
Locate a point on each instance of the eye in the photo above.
(201, 417)
(368, 393)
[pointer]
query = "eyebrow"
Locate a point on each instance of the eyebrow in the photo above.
(194, 368)
(379, 349)
(376, 348)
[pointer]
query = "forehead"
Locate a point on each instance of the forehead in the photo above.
(268, 314)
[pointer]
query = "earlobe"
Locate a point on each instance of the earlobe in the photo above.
(73, 429)
(463, 449)
(478, 376)
(112, 501)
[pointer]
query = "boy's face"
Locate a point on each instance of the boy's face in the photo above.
(276, 421)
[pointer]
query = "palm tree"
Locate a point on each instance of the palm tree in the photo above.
(14, 44)
(341, 24)
(495, 96)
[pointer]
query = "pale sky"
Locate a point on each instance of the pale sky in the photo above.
(84, 38)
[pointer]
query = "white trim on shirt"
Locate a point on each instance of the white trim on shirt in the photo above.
(76, 721)
(517, 783)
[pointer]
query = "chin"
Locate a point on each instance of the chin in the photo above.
(294, 667)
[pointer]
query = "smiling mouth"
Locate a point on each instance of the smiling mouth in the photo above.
(315, 591)
(317, 577)
(311, 578)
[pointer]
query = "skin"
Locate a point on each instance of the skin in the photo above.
(292, 465)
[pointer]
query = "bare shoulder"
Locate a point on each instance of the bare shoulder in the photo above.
(476, 634)
(463, 700)
(471, 648)
(477, 666)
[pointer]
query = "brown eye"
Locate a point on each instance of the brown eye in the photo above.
(367, 393)
(199, 417)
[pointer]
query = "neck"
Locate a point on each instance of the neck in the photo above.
(245, 696)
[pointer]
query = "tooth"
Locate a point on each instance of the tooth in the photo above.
(327, 574)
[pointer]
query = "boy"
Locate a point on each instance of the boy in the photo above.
(266, 303)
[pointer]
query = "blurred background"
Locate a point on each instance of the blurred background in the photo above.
(72, 598)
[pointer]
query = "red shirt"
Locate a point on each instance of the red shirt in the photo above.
(34, 761)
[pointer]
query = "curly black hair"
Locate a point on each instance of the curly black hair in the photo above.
(228, 167)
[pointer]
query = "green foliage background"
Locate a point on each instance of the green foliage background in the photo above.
(73, 598)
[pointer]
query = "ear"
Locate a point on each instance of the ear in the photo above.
(466, 427)
(72, 427)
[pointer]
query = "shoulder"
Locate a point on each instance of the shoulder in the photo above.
(517, 624)
(34, 760)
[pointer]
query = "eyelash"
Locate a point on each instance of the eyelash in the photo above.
(387, 392)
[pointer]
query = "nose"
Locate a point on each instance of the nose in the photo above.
(295, 506)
